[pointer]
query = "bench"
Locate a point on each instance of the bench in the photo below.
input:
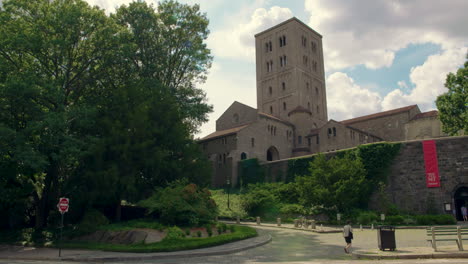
(447, 233)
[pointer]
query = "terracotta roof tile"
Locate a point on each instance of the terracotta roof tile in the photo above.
(224, 132)
(377, 115)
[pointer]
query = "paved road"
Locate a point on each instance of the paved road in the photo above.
(292, 246)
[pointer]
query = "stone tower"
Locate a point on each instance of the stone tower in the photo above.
(290, 77)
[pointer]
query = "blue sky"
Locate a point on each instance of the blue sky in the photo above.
(379, 54)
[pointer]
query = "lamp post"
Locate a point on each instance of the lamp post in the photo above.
(228, 182)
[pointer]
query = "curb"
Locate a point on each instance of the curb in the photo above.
(255, 242)
(358, 255)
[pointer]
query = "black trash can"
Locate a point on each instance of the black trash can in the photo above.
(386, 236)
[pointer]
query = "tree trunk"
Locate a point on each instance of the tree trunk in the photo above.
(43, 203)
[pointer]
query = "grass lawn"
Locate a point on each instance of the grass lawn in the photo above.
(241, 232)
(47, 238)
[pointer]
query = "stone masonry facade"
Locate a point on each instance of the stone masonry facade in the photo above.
(291, 118)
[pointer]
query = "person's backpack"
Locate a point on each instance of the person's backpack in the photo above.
(351, 235)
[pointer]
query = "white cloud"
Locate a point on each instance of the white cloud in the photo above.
(369, 32)
(402, 85)
(428, 80)
(237, 41)
(111, 5)
(346, 99)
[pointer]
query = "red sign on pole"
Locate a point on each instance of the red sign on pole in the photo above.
(431, 164)
(63, 205)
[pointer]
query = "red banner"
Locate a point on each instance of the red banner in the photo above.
(430, 162)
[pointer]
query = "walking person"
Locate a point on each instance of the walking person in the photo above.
(348, 236)
(464, 213)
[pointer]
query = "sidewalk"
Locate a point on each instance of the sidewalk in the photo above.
(44, 254)
(371, 250)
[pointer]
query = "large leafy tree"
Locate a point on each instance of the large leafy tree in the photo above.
(100, 108)
(51, 56)
(335, 184)
(453, 105)
(168, 45)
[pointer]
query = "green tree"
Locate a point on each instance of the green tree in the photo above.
(453, 105)
(168, 45)
(335, 184)
(50, 55)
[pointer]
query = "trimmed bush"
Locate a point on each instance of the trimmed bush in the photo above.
(174, 233)
(367, 218)
(435, 219)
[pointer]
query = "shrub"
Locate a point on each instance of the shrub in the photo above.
(366, 218)
(395, 220)
(292, 210)
(182, 204)
(174, 233)
(198, 233)
(435, 219)
(232, 228)
(91, 221)
(259, 201)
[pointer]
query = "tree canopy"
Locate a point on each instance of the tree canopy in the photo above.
(453, 105)
(99, 107)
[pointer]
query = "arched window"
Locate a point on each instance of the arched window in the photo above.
(271, 109)
(270, 90)
(283, 85)
(308, 105)
(224, 158)
(268, 66)
(274, 131)
(266, 47)
(284, 40)
(307, 86)
(243, 156)
(284, 105)
(252, 142)
(334, 131)
(316, 90)
(271, 46)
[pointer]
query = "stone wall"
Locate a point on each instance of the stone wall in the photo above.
(407, 182)
(406, 186)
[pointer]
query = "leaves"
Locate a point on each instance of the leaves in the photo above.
(453, 105)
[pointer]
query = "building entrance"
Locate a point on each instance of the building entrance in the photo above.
(460, 198)
(272, 154)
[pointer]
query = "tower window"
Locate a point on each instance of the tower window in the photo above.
(284, 105)
(270, 90)
(308, 105)
(243, 156)
(316, 90)
(314, 47)
(266, 47)
(318, 110)
(271, 46)
(283, 85)
(307, 86)
(334, 131)
(282, 41)
(271, 109)
(314, 66)
(252, 142)
(283, 61)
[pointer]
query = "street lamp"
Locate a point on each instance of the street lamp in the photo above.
(228, 182)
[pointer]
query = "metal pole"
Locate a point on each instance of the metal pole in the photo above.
(60, 240)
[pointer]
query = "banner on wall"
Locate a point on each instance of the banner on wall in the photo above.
(430, 162)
